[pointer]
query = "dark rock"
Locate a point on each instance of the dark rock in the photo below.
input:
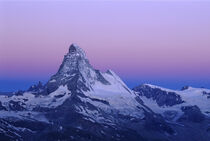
(37, 89)
(185, 88)
(207, 94)
(16, 105)
(192, 113)
(157, 123)
(170, 115)
(2, 107)
(72, 48)
(163, 98)
(19, 93)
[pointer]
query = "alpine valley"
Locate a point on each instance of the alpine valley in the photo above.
(80, 103)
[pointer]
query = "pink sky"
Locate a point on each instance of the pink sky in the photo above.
(165, 40)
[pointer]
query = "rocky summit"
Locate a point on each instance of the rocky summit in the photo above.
(80, 103)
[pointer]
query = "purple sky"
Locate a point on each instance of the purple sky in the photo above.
(164, 43)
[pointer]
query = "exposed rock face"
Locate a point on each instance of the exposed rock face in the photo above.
(191, 104)
(192, 113)
(2, 107)
(16, 105)
(207, 94)
(35, 89)
(163, 98)
(75, 71)
(185, 88)
(18, 93)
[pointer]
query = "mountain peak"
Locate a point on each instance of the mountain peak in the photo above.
(75, 49)
(75, 60)
(74, 70)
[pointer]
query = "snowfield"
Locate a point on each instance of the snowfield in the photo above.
(191, 97)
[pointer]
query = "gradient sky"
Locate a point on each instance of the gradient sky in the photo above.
(159, 42)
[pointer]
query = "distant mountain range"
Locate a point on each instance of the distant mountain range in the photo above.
(6, 93)
(80, 103)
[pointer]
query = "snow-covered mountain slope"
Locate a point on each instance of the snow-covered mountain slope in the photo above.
(106, 91)
(81, 103)
(76, 94)
(117, 96)
(29, 101)
(173, 103)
